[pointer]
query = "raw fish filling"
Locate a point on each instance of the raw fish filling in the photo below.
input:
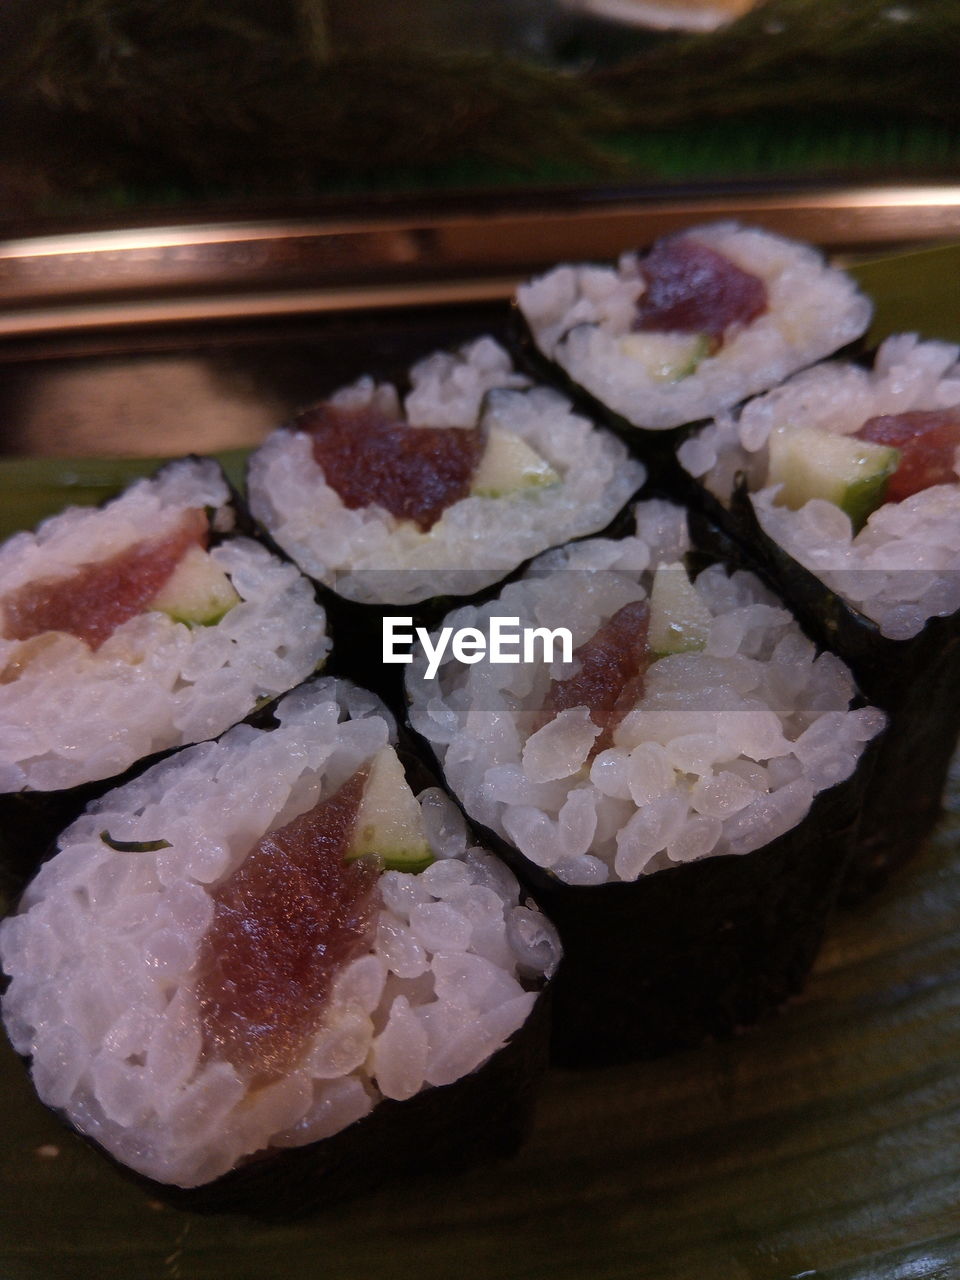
(610, 681)
(285, 923)
(413, 472)
(93, 602)
(928, 440)
(690, 288)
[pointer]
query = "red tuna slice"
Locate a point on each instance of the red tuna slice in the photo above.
(284, 924)
(414, 472)
(613, 667)
(690, 288)
(98, 598)
(927, 439)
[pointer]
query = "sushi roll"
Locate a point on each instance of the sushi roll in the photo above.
(443, 494)
(679, 791)
(705, 319)
(267, 943)
(843, 486)
(134, 628)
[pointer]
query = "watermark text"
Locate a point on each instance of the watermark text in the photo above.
(503, 641)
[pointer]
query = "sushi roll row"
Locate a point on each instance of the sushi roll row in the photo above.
(273, 944)
(142, 626)
(839, 485)
(307, 944)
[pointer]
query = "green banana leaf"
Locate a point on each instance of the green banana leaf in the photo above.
(914, 292)
(33, 488)
(824, 1143)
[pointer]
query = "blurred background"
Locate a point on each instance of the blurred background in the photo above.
(215, 211)
(113, 106)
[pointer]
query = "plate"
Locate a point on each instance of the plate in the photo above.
(823, 1143)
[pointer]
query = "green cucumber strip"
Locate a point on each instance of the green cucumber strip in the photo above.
(134, 846)
(864, 496)
(413, 864)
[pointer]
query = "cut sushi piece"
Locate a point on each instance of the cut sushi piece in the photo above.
(708, 317)
(128, 655)
(443, 495)
(886, 597)
(263, 990)
(692, 862)
(908, 403)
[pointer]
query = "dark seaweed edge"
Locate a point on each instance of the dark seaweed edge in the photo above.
(636, 981)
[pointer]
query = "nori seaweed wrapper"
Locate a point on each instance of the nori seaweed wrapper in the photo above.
(696, 951)
(916, 681)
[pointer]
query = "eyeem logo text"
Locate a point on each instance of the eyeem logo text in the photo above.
(505, 641)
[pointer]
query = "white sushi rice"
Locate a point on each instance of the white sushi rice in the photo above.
(72, 714)
(903, 567)
(724, 752)
(582, 316)
(371, 556)
(102, 955)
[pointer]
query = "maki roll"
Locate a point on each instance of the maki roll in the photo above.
(137, 627)
(843, 486)
(265, 942)
(679, 789)
(443, 495)
(706, 318)
(853, 472)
